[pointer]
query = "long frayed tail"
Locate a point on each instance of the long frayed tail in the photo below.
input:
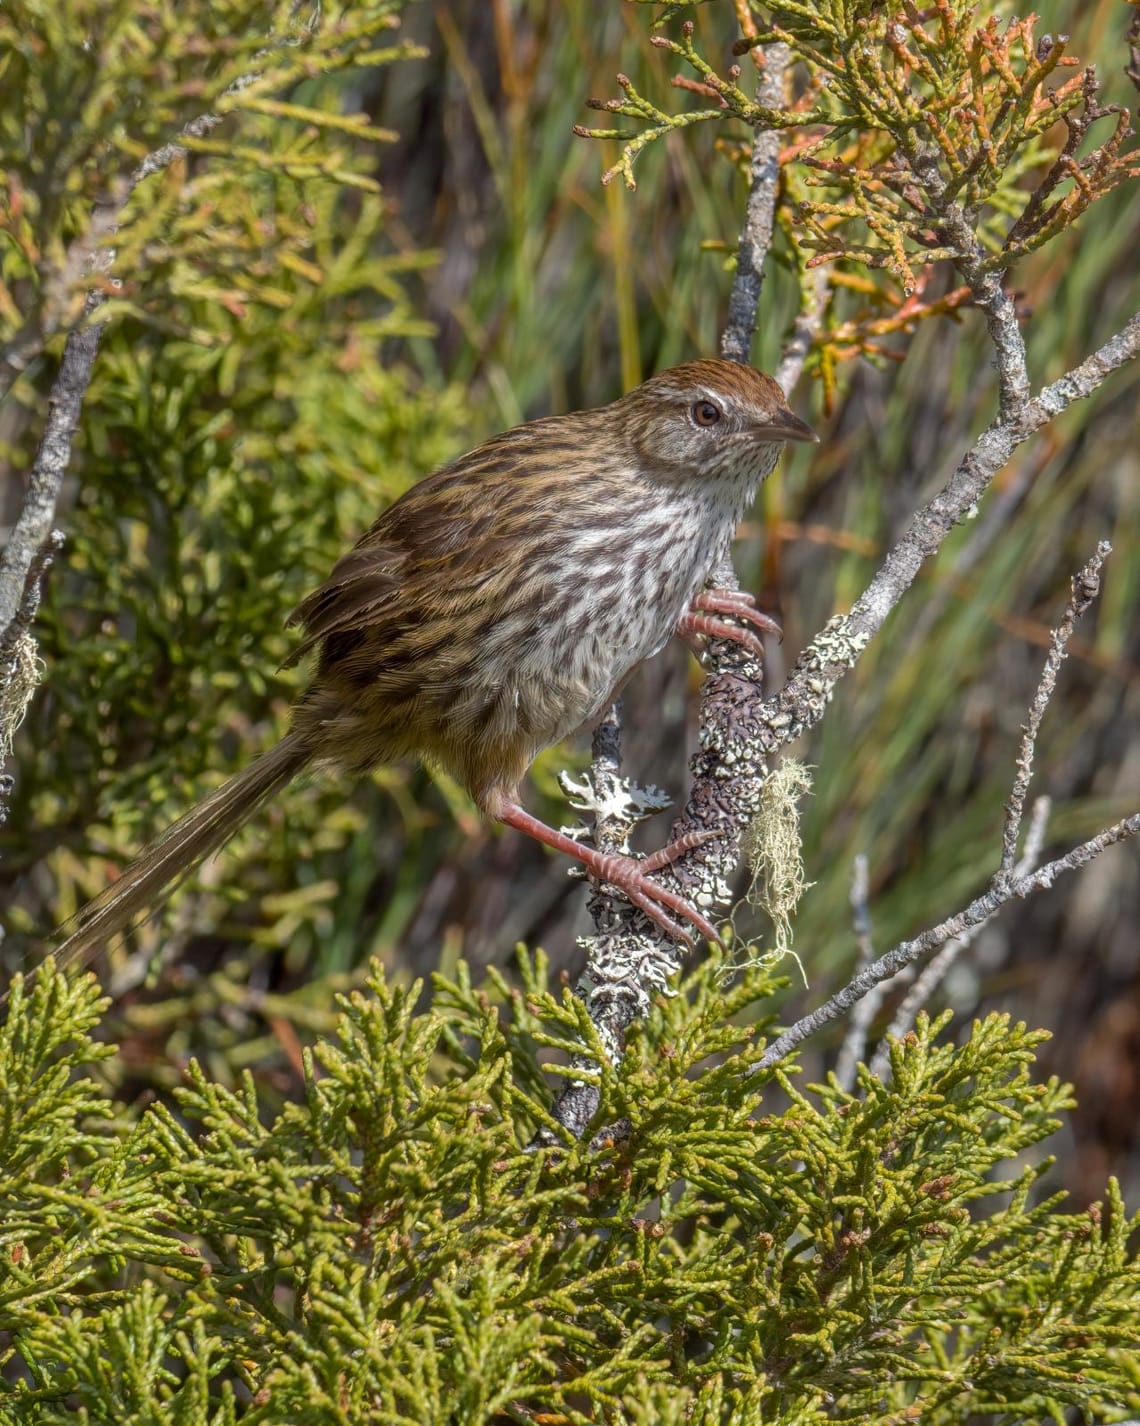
(205, 828)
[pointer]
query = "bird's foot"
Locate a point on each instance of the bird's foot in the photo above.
(727, 614)
(628, 874)
(738, 604)
(673, 851)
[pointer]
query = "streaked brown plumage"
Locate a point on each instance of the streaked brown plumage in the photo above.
(495, 608)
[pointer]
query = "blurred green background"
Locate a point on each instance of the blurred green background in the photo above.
(250, 414)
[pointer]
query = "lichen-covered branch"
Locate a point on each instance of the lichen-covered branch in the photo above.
(19, 659)
(800, 704)
(37, 513)
(612, 988)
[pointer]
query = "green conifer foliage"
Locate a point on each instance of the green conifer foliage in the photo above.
(390, 1249)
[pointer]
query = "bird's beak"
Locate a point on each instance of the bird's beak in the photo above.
(785, 425)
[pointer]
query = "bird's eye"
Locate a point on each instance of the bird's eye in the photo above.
(706, 413)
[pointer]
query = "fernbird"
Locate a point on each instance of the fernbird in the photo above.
(498, 605)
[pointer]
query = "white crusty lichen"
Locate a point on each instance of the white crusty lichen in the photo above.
(834, 650)
(837, 643)
(613, 799)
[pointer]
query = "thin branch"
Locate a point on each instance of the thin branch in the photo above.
(979, 911)
(1001, 316)
(31, 595)
(37, 514)
(937, 970)
(834, 652)
(19, 662)
(804, 330)
(1011, 873)
(33, 525)
(86, 256)
(855, 1041)
(759, 215)
(1086, 587)
(1133, 68)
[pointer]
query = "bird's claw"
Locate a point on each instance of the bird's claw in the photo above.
(737, 604)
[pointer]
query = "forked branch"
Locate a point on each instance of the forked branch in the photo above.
(741, 731)
(1014, 877)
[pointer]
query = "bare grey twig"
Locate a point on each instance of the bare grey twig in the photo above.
(72, 380)
(1086, 587)
(1013, 878)
(936, 971)
(33, 543)
(855, 1041)
(804, 330)
(800, 704)
(978, 911)
(759, 215)
(1035, 836)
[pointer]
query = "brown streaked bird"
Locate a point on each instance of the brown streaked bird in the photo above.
(496, 607)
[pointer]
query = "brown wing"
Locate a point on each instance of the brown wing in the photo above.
(362, 582)
(445, 544)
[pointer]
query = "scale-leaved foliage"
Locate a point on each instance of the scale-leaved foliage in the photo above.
(389, 1249)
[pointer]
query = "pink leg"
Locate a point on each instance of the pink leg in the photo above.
(626, 873)
(739, 605)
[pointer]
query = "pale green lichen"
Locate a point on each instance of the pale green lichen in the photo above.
(773, 850)
(21, 679)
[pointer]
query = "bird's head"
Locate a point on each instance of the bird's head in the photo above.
(708, 417)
